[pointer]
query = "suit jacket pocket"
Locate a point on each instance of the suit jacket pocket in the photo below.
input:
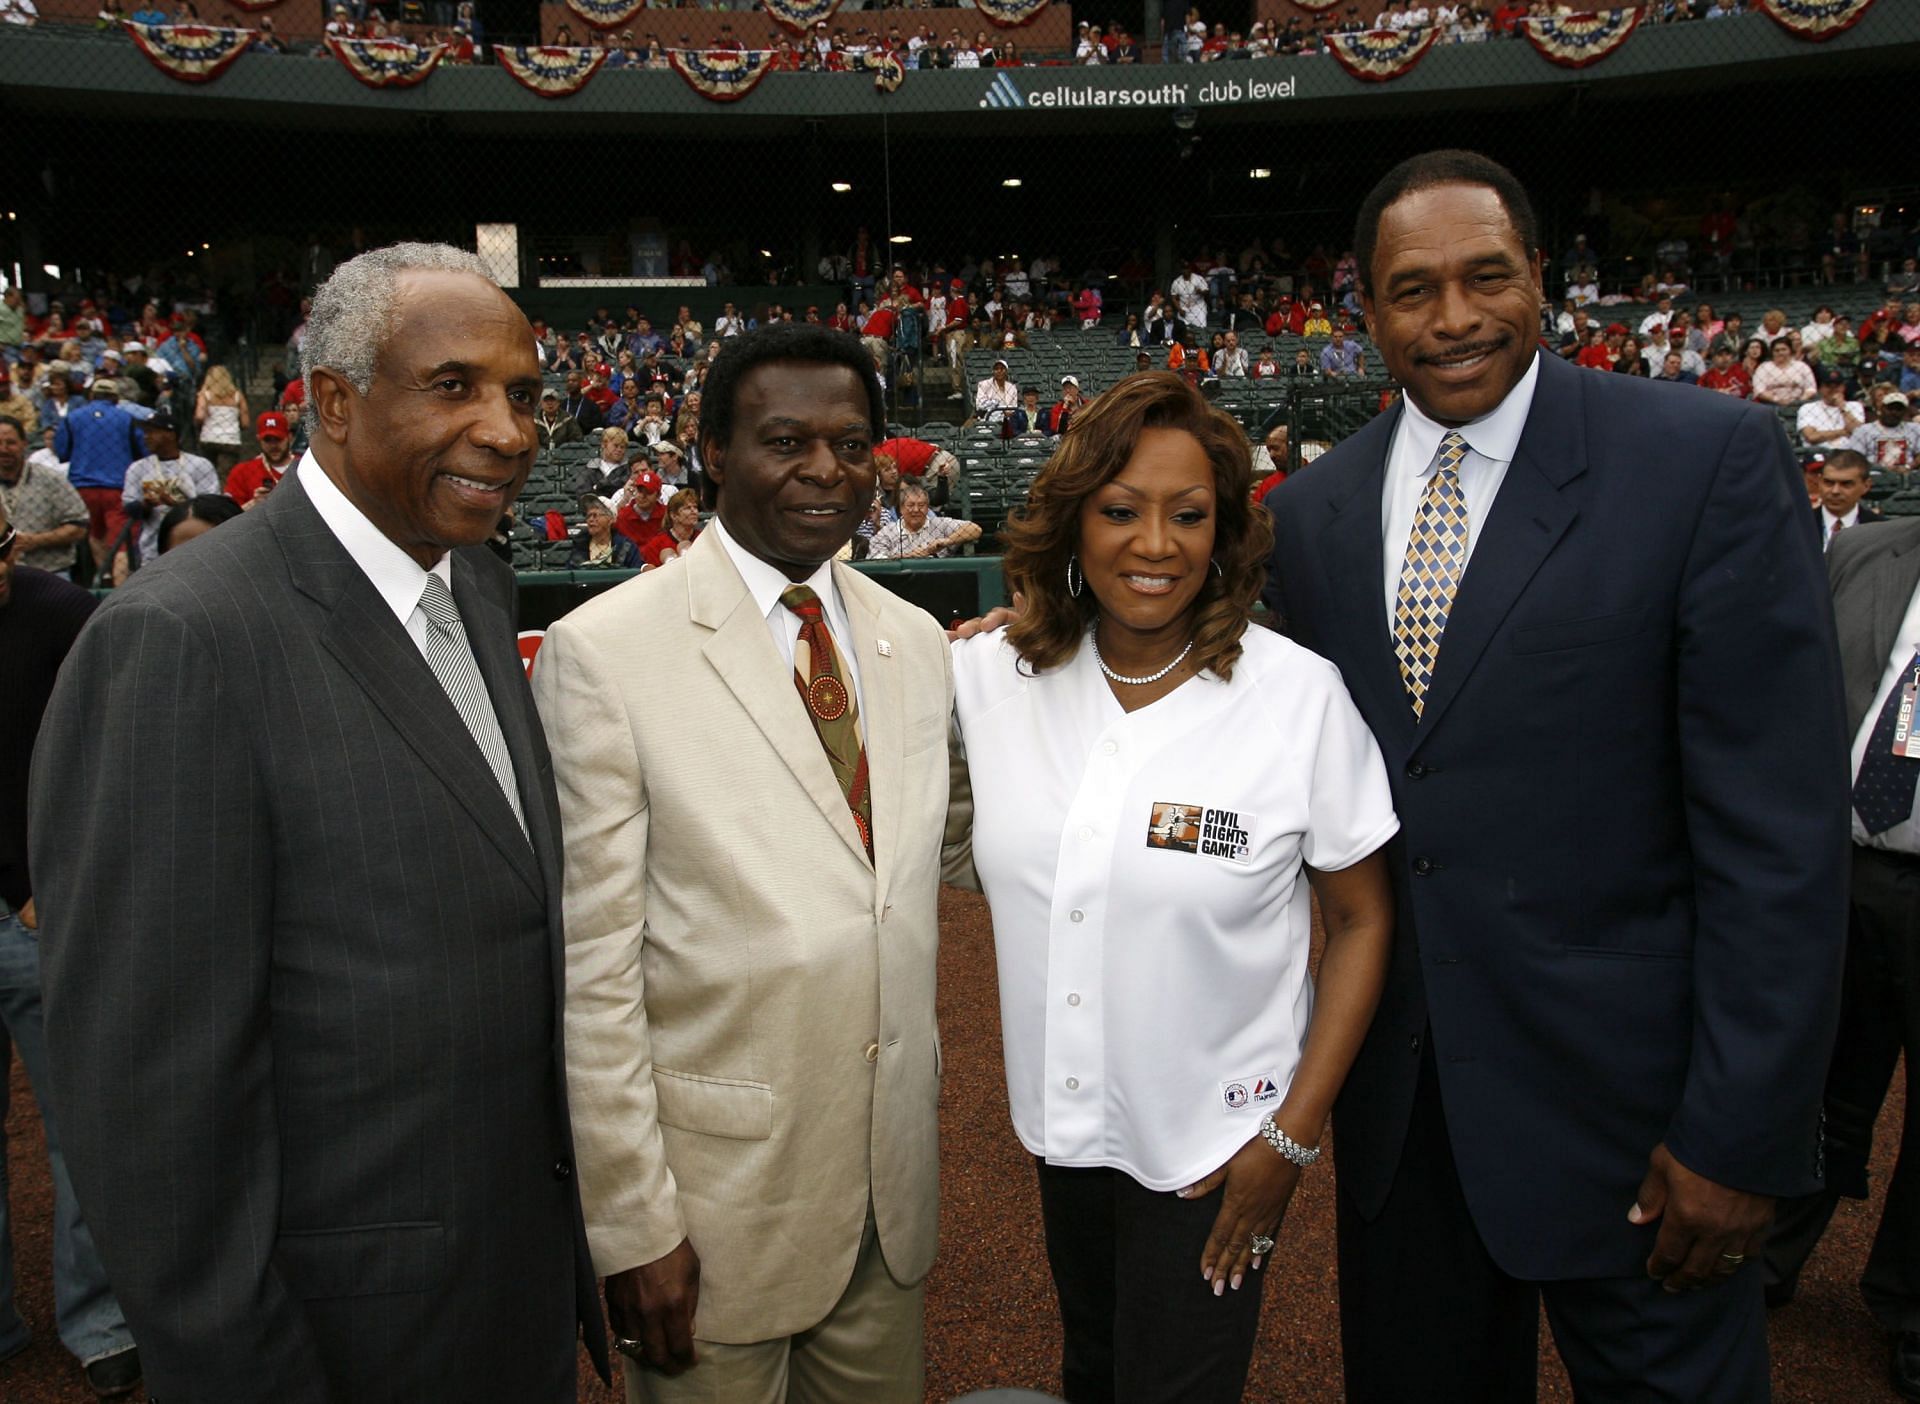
(1625, 953)
(714, 1106)
(362, 1262)
(1577, 633)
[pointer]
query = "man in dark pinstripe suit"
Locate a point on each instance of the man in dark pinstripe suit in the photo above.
(301, 975)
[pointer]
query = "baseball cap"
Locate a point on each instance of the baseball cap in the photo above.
(110, 351)
(135, 347)
(162, 418)
(1833, 377)
(1072, 380)
(595, 500)
(549, 393)
(647, 480)
(1000, 360)
(1894, 398)
(104, 385)
(271, 425)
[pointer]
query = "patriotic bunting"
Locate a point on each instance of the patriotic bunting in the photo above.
(888, 74)
(801, 14)
(1009, 13)
(193, 53)
(1376, 55)
(606, 14)
(387, 63)
(721, 75)
(1574, 41)
(551, 71)
(1816, 19)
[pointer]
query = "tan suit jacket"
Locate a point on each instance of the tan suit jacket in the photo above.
(750, 1033)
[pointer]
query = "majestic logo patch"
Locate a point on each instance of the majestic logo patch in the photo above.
(1244, 1092)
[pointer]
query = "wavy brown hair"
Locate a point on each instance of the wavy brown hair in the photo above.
(1043, 534)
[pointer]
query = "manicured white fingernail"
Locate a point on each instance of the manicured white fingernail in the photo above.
(1236, 1282)
(1219, 1286)
(1256, 1265)
(1206, 1273)
(1183, 1193)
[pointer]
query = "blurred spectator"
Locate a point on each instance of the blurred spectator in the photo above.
(17, 406)
(683, 526)
(609, 473)
(13, 318)
(1340, 357)
(919, 531)
(1724, 376)
(184, 521)
(252, 480)
(98, 441)
(1843, 482)
(43, 507)
(996, 393)
(136, 370)
(1832, 417)
(1891, 443)
(597, 545)
(578, 406)
(1783, 379)
(1233, 357)
(643, 514)
(1057, 416)
(220, 410)
(553, 424)
(162, 479)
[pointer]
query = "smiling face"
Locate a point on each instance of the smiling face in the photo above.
(797, 471)
(1146, 536)
(443, 439)
(1454, 300)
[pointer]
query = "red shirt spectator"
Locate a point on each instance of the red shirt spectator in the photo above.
(911, 456)
(265, 469)
(957, 314)
(879, 323)
(295, 395)
(1728, 380)
(644, 516)
(1507, 16)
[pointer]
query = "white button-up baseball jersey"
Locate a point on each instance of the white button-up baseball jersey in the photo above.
(1149, 910)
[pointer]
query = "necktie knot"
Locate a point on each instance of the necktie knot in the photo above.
(802, 601)
(436, 602)
(1453, 449)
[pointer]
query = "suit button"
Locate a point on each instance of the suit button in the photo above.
(1414, 1043)
(562, 1170)
(1422, 867)
(1416, 771)
(873, 1052)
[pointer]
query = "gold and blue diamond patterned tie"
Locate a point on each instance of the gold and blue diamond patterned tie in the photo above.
(1436, 559)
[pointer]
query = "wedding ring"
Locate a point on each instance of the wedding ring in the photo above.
(1735, 1258)
(1262, 1244)
(633, 1350)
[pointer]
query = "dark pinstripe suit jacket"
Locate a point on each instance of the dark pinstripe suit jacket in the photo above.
(302, 976)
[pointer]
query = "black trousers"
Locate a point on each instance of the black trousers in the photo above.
(1140, 1325)
(1879, 1019)
(1426, 1314)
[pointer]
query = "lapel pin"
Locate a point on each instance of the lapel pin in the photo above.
(886, 649)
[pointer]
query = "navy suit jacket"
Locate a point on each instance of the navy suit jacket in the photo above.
(1621, 869)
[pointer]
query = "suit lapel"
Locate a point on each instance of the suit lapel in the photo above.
(1352, 545)
(1529, 517)
(883, 727)
(1893, 587)
(743, 654)
(490, 631)
(376, 652)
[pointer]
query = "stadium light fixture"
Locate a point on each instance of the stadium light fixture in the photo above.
(766, 253)
(206, 246)
(1011, 182)
(1258, 173)
(840, 187)
(901, 239)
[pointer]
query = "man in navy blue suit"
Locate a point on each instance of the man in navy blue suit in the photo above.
(1585, 617)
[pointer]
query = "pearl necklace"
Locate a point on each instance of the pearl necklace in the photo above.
(1179, 658)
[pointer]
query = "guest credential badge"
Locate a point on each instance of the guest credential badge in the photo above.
(1905, 743)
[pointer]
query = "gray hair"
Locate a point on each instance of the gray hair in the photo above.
(353, 310)
(912, 488)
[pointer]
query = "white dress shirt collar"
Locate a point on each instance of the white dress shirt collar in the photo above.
(766, 583)
(1827, 519)
(397, 576)
(1495, 436)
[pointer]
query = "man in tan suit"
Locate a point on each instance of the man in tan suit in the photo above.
(751, 929)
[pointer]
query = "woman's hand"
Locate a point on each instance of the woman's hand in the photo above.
(1260, 1184)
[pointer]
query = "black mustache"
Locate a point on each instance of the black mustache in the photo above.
(1464, 353)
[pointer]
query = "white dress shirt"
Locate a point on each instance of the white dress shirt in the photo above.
(766, 584)
(1827, 521)
(1150, 915)
(1491, 439)
(1903, 837)
(398, 577)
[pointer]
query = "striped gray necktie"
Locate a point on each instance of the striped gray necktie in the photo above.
(451, 658)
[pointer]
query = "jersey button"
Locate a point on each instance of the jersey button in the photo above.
(1074, 1000)
(1073, 1084)
(1076, 915)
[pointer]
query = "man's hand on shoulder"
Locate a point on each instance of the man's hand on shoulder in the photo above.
(996, 618)
(1707, 1230)
(654, 1304)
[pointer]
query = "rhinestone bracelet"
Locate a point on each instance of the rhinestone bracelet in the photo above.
(1286, 1145)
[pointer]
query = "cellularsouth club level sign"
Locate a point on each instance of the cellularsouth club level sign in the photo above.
(1041, 90)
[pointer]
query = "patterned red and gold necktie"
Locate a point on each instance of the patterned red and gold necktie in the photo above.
(831, 704)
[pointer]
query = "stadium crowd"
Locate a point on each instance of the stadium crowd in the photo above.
(162, 422)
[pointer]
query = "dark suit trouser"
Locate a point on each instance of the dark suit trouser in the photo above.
(1426, 1313)
(1879, 1019)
